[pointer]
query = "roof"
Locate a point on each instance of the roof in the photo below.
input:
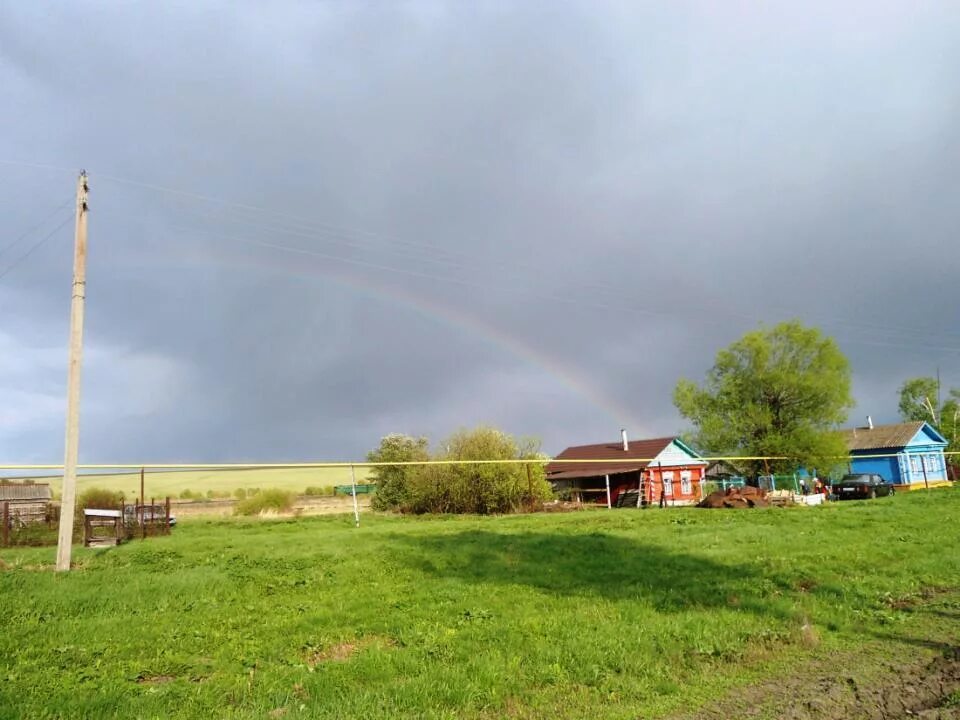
(883, 437)
(24, 491)
(636, 458)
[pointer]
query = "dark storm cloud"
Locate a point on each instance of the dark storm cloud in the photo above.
(537, 215)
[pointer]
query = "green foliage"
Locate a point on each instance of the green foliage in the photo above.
(918, 397)
(918, 401)
(393, 481)
(579, 615)
(775, 392)
(240, 494)
(188, 494)
(271, 499)
(479, 488)
(98, 498)
(318, 491)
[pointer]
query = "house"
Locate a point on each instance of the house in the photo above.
(639, 471)
(24, 500)
(909, 455)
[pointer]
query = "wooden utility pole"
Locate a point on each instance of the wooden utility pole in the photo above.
(72, 441)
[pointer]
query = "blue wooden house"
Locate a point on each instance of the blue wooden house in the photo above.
(909, 455)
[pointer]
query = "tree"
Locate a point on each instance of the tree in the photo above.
(781, 392)
(917, 399)
(393, 481)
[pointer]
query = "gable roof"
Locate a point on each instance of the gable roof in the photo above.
(636, 458)
(886, 437)
(24, 491)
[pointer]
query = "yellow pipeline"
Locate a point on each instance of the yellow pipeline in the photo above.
(513, 461)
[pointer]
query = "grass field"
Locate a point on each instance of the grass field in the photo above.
(594, 614)
(161, 484)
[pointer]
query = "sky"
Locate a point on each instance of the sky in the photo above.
(315, 223)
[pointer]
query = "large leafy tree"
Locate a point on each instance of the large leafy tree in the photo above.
(780, 391)
(918, 401)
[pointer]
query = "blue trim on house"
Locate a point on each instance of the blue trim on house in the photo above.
(920, 460)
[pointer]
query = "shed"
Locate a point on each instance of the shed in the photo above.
(25, 499)
(909, 455)
(646, 469)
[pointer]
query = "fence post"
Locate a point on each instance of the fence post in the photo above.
(166, 519)
(356, 509)
(6, 523)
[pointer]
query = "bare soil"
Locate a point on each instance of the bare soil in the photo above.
(896, 678)
(327, 505)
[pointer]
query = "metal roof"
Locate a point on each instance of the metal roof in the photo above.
(881, 437)
(24, 491)
(636, 458)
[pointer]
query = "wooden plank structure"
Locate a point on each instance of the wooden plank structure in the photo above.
(96, 520)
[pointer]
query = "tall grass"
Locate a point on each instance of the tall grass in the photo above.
(618, 614)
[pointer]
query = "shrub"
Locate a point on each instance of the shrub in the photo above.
(189, 495)
(475, 488)
(318, 491)
(393, 481)
(240, 494)
(272, 499)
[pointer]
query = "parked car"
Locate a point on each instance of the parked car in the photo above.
(151, 514)
(858, 486)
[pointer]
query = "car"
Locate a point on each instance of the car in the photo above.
(152, 514)
(857, 486)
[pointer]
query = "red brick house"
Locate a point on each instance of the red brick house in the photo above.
(639, 472)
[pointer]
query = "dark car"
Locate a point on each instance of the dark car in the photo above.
(862, 485)
(152, 514)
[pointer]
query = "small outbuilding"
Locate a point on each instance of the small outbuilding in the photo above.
(640, 472)
(25, 499)
(908, 455)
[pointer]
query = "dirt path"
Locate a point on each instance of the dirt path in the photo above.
(303, 506)
(899, 676)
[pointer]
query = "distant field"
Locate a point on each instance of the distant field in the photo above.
(596, 614)
(160, 484)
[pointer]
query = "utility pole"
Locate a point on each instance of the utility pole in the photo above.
(72, 441)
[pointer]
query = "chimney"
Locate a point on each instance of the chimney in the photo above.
(623, 436)
(869, 422)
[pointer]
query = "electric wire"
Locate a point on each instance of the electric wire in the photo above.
(36, 246)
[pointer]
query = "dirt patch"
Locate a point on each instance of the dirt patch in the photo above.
(303, 506)
(736, 497)
(340, 652)
(923, 689)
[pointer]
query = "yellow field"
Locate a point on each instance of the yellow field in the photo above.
(172, 483)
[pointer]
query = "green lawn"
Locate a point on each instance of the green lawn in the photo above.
(595, 614)
(161, 484)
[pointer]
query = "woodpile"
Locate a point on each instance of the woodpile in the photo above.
(736, 497)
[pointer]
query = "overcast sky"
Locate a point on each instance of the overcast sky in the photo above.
(313, 224)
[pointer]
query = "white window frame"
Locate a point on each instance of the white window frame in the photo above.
(686, 482)
(666, 478)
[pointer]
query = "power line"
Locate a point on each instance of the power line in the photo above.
(36, 246)
(19, 239)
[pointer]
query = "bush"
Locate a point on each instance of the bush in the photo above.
(240, 494)
(189, 495)
(393, 482)
(273, 499)
(318, 491)
(474, 488)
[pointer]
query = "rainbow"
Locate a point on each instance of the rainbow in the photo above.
(452, 318)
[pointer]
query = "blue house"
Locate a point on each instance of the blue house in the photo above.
(906, 454)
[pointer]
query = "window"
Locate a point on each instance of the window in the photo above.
(915, 467)
(668, 483)
(686, 486)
